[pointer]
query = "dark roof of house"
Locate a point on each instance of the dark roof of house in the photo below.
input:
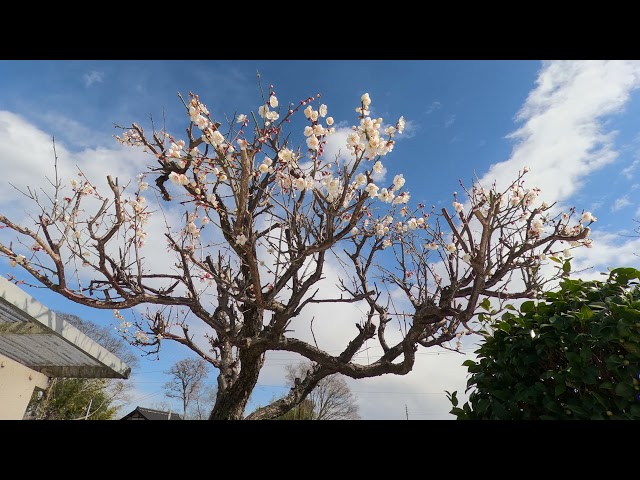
(149, 414)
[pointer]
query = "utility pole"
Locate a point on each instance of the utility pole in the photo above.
(406, 410)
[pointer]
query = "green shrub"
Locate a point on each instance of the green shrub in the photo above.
(574, 355)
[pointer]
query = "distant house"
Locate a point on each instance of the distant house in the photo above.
(148, 414)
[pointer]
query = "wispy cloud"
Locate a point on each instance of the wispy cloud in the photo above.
(563, 139)
(92, 77)
(411, 128)
(449, 120)
(435, 105)
(628, 171)
(620, 203)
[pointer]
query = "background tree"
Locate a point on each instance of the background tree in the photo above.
(575, 355)
(279, 213)
(330, 400)
(188, 376)
(93, 398)
(202, 403)
(163, 406)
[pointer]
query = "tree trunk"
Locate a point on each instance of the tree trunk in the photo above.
(230, 404)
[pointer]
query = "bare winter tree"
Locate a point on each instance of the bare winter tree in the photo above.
(187, 381)
(331, 399)
(261, 220)
(202, 403)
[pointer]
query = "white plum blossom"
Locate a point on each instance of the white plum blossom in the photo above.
(377, 167)
(211, 198)
(175, 149)
(273, 101)
(466, 258)
(457, 206)
(386, 195)
(307, 111)
(366, 100)
(412, 223)
(587, 217)
(329, 121)
(354, 231)
(401, 124)
(372, 189)
(302, 183)
(213, 137)
(451, 247)
(308, 130)
(272, 116)
(537, 228)
(431, 246)
(402, 198)
(313, 143)
(241, 118)
(333, 187)
(192, 228)
(361, 179)
(178, 178)
(286, 155)
(241, 239)
(398, 181)
(322, 110)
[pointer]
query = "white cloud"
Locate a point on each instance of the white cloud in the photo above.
(336, 147)
(610, 250)
(562, 139)
(449, 121)
(92, 77)
(628, 170)
(411, 128)
(620, 203)
(73, 132)
(435, 105)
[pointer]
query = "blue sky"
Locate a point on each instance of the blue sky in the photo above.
(574, 124)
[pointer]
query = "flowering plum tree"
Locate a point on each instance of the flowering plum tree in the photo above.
(261, 217)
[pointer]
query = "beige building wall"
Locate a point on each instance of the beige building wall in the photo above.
(17, 383)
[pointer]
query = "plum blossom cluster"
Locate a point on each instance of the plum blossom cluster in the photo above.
(366, 138)
(131, 138)
(211, 179)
